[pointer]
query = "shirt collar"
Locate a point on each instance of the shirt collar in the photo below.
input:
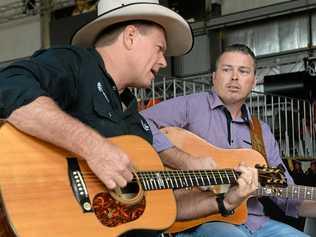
(102, 66)
(126, 95)
(245, 113)
(215, 102)
(98, 58)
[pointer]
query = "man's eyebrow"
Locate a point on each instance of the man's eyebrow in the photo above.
(229, 65)
(163, 47)
(245, 67)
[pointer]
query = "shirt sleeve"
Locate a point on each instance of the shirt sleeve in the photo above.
(49, 72)
(170, 113)
(290, 207)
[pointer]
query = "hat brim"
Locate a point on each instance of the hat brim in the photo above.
(178, 31)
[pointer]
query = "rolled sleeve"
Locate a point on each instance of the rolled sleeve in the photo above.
(47, 73)
(17, 88)
(161, 143)
(171, 113)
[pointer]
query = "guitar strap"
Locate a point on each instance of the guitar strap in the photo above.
(256, 137)
(258, 145)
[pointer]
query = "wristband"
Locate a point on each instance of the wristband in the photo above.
(221, 207)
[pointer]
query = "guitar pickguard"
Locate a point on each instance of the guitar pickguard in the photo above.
(111, 212)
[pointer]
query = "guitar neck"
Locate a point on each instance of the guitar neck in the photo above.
(295, 192)
(176, 179)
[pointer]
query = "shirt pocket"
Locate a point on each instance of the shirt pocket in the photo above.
(139, 124)
(104, 109)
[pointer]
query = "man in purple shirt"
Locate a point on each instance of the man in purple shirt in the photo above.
(221, 117)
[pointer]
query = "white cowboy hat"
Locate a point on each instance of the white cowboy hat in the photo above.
(178, 31)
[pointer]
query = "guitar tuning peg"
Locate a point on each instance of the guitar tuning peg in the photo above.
(258, 166)
(281, 168)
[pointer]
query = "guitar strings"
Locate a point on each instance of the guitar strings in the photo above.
(182, 180)
(186, 174)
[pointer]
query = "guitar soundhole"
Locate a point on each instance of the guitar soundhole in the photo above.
(111, 212)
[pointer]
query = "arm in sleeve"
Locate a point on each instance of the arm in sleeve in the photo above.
(173, 112)
(290, 207)
(49, 73)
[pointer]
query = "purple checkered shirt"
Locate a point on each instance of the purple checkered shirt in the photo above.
(204, 114)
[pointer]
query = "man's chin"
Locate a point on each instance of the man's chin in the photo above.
(144, 86)
(149, 83)
(232, 100)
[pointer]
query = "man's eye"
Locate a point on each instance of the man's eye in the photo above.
(244, 71)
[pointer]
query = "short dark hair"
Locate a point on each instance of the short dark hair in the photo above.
(110, 34)
(241, 48)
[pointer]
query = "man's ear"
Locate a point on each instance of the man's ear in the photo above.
(254, 83)
(129, 36)
(213, 77)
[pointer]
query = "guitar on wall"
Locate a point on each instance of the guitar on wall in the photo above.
(47, 191)
(197, 146)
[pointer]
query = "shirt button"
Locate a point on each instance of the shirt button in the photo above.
(232, 141)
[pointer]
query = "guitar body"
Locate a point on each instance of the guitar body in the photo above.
(224, 158)
(37, 199)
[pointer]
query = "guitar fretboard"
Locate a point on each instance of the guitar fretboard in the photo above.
(176, 179)
(295, 192)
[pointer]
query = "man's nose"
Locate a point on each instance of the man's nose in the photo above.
(235, 75)
(163, 61)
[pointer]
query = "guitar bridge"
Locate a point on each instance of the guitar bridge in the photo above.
(78, 185)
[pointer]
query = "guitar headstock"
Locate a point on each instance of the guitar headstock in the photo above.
(271, 176)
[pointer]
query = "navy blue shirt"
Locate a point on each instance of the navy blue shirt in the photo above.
(77, 80)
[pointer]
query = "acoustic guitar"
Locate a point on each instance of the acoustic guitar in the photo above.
(47, 191)
(231, 158)
(197, 146)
